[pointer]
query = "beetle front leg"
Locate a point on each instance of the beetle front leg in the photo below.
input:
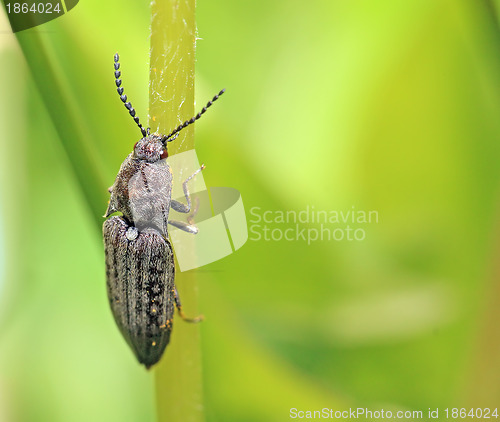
(189, 227)
(181, 313)
(179, 206)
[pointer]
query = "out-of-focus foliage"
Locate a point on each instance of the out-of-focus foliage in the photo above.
(388, 106)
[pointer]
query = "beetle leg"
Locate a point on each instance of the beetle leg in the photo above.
(181, 313)
(179, 206)
(190, 228)
(190, 217)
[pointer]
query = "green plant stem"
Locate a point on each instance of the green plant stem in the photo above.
(171, 101)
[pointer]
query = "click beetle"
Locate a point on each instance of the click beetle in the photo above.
(140, 267)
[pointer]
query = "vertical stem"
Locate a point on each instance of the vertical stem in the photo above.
(171, 101)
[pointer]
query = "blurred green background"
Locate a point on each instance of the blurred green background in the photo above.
(390, 106)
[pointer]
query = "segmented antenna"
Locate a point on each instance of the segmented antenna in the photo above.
(170, 138)
(123, 97)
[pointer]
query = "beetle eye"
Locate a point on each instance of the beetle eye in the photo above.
(164, 154)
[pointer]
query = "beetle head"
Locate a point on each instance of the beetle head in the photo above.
(151, 148)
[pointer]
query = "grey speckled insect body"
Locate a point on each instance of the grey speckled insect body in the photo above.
(140, 265)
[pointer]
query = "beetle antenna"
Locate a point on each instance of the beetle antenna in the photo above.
(123, 97)
(170, 138)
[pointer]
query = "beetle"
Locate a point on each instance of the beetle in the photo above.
(140, 269)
